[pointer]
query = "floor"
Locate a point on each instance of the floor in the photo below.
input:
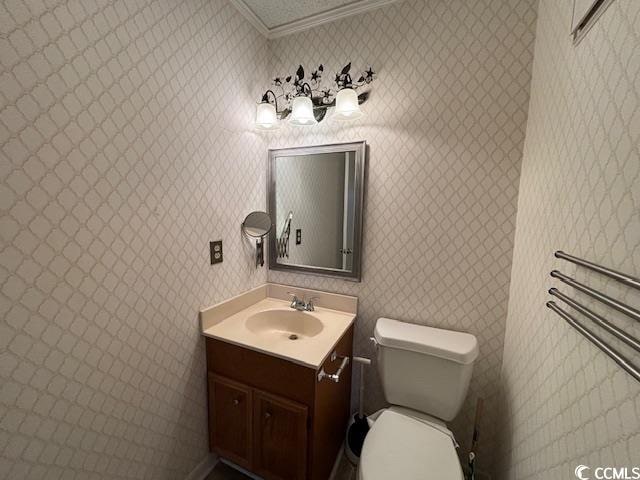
(346, 471)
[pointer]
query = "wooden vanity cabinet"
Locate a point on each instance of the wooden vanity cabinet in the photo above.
(230, 419)
(280, 428)
(272, 416)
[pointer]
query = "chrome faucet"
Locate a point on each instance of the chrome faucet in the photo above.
(300, 304)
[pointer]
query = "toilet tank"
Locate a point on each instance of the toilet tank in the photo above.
(423, 368)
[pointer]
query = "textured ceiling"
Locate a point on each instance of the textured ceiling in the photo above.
(274, 13)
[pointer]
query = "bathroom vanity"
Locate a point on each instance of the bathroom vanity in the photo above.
(279, 381)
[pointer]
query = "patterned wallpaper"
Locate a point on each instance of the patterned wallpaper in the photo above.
(445, 124)
(125, 147)
(566, 403)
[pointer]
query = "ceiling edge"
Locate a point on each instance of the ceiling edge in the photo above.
(250, 16)
(311, 21)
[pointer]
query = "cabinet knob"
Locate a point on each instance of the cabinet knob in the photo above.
(236, 401)
(267, 415)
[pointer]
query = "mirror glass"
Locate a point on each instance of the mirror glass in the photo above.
(257, 224)
(316, 201)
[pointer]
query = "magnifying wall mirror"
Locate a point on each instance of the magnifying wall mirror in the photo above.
(257, 225)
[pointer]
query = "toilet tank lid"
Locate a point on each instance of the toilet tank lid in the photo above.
(458, 347)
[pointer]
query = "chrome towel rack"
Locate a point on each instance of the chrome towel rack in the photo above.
(614, 354)
(603, 322)
(598, 320)
(612, 302)
(621, 277)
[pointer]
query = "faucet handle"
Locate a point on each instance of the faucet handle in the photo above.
(310, 305)
(294, 299)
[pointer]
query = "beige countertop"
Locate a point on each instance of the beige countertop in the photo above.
(230, 321)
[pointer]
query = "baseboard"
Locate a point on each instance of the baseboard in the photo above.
(203, 469)
(334, 470)
(253, 476)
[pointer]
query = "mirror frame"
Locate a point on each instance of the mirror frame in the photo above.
(360, 149)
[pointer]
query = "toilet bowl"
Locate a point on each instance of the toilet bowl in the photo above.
(425, 374)
(403, 446)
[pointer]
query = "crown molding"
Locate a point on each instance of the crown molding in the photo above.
(311, 21)
(250, 16)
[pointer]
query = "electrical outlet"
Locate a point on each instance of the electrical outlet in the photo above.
(216, 251)
(298, 236)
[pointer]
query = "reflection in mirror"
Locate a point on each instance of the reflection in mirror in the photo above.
(316, 196)
(315, 199)
(282, 242)
(257, 225)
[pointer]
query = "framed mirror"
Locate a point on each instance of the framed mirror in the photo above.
(316, 199)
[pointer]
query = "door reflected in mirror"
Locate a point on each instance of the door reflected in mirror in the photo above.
(316, 194)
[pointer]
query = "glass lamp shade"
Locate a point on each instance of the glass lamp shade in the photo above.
(302, 112)
(347, 107)
(266, 117)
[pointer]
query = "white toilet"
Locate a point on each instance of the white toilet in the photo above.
(425, 374)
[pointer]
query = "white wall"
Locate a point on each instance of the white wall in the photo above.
(125, 148)
(445, 124)
(566, 403)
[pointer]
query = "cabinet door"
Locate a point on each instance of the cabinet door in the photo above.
(230, 426)
(280, 438)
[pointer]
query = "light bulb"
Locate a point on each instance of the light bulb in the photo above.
(347, 106)
(266, 116)
(302, 112)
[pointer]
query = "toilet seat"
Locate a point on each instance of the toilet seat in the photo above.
(407, 447)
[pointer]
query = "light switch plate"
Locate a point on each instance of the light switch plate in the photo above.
(216, 251)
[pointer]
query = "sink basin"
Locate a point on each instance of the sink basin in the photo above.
(288, 324)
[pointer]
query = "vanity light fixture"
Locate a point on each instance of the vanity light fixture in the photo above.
(302, 108)
(267, 113)
(347, 105)
(306, 102)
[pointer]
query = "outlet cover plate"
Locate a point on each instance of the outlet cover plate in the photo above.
(216, 251)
